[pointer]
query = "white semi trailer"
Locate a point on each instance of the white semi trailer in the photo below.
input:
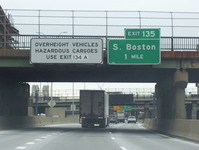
(94, 108)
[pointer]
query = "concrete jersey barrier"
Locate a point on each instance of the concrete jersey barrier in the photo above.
(7, 122)
(180, 127)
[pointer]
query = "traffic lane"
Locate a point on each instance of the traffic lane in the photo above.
(57, 137)
(74, 137)
(83, 139)
(135, 136)
(117, 136)
(21, 138)
(71, 136)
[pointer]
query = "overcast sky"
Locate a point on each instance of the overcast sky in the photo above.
(144, 5)
(124, 5)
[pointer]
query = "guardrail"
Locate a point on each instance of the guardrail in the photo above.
(167, 43)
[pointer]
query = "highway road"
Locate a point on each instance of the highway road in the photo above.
(120, 136)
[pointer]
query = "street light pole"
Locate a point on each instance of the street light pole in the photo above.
(36, 102)
(51, 90)
(154, 103)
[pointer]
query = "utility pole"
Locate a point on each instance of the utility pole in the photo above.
(154, 106)
(36, 102)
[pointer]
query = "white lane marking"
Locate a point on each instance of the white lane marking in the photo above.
(162, 135)
(140, 126)
(56, 134)
(30, 143)
(20, 147)
(113, 138)
(123, 148)
(38, 140)
(43, 137)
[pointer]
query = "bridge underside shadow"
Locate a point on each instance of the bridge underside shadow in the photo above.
(86, 73)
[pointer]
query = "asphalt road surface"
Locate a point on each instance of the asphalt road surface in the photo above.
(120, 136)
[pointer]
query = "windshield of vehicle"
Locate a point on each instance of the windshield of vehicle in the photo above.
(131, 116)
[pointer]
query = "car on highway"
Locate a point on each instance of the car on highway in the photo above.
(131, 119)
(113, 119)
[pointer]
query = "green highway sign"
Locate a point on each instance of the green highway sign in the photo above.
(142, 33)
(126, 107)
(140, 46)
(130, 51)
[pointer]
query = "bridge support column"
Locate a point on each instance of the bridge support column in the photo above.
(194, 110)
(180, 83)
(164, 94)
(13, 98)
(170, 94)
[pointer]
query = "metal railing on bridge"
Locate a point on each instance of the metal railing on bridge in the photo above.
(167, 43)
(179, 30)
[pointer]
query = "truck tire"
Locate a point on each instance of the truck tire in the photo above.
(102, 124)
(84, 125)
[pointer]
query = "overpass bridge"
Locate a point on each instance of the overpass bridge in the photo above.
(179, 56)
(177, 68)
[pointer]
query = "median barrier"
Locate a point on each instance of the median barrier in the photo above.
(8, 122)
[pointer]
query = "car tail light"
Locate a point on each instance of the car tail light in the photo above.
(100, 117)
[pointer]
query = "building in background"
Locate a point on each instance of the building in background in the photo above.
(45, 92)
(35, 88)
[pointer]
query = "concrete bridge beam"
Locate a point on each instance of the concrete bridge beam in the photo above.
(164, 94)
